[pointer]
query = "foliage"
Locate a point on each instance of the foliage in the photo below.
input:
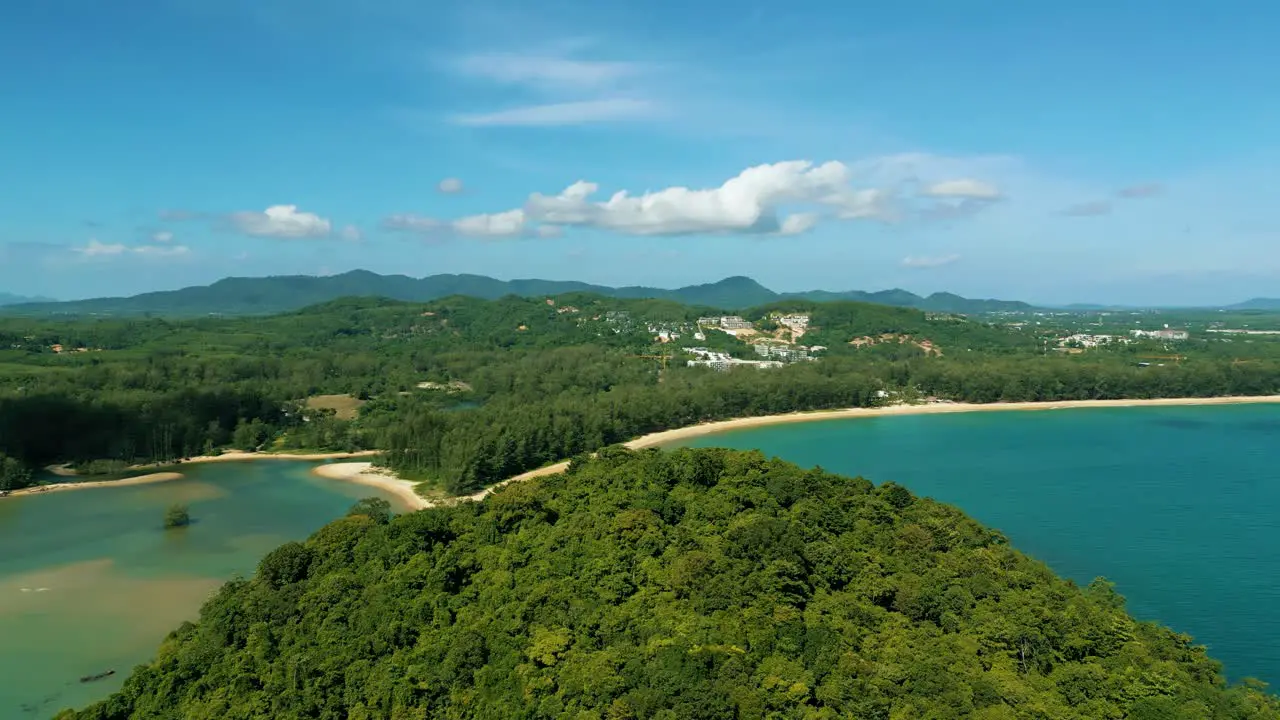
(262, 296)
(13, 474)
(177, 516)
(374, 508)
(535, 380)
(693, 584)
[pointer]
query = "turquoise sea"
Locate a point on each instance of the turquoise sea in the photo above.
(90, 581)
(1179, 506)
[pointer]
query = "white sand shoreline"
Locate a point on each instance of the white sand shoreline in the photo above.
(665, 437)
(66, 472)
(123, 482)
(365, 473)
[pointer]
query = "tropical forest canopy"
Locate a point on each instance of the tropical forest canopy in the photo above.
(463, 392)
(703, 584)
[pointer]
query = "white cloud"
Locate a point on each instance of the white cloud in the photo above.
(161, 251)
(162, 236)
(100, 249)
(868, 203)
(564, 90)
(412, 223)
(281, 221)
(351, 233)
(550, 231)
(919, 263)
(751, 202)
(577, 112)
(745, 203)
(963, 188)
(798, 224)
(551, 73)
(96, 249)
(503, 224)
(449, 186)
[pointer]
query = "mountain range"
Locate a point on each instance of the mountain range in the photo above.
(8, 299)
(266, 295)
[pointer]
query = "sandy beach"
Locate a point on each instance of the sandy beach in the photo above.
(66, 471)
(59, 487)
(365, 473)
(665, 437)
(238, 456)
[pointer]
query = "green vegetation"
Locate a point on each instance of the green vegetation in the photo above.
(463, 392)
(374, 508)
(177, 516)
(692, 584)
(263, 296)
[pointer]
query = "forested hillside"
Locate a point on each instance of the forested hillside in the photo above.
(702, 584)
(464, 392)
(266, 295)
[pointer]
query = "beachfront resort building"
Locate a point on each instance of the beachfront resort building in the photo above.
(1162, 334)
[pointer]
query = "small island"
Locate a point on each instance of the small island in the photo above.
(177, 516)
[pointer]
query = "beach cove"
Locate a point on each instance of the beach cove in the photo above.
(1177, 503)
(90, 582)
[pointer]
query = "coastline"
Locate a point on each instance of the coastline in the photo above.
(665, 437)
(64, 471)
(364, 473)
(124, 482)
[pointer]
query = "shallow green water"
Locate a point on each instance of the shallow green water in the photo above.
(1179, 506)
(89, 580)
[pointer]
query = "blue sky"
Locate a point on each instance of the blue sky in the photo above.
(1054, 152)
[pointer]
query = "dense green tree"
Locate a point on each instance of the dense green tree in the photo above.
(689, 584)
(177, 516)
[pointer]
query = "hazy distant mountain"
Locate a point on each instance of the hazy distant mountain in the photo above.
(1257, 304)
(7, 299)
(257, 296)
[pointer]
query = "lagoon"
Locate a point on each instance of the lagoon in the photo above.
(89, 580)
(1179, 506)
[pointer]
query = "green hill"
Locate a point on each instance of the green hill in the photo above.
(267, 295)
(701, 584)
(1257, 304)
(10, 299)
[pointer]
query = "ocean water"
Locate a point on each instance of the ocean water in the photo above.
(1179, 506)
(90, 581)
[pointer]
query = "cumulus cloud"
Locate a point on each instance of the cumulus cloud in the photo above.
(798, 224)
(1089, 209)
(503, 224)
(963, 188)
(751, 202)
(926, 262)
(161, 236)
(280, 221)
(449, 186)
(1140, 191)
(745, 203)
(351, 233)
